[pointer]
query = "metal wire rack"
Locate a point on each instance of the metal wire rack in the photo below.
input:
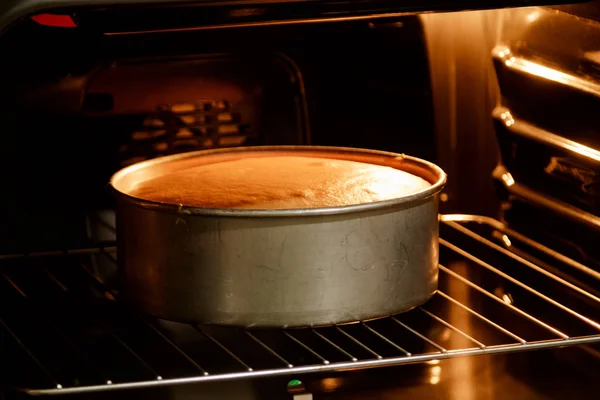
(63, 332)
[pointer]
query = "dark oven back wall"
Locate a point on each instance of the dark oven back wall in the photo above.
(368, 86)
(65, 118)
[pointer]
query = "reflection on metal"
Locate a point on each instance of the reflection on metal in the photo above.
(524, 66)
(450, 328)
(508, 179)
(534, 16)
(462, 295)
(330, 384)
(559, 207)
(446, 334)
(507, 118)
(526, 130)
(422, 337)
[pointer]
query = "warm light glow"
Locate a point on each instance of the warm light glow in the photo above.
(533, 16)
(507, 118)
(433, 362)
(446, 334)
(435, 375)
(508, 179)
(545, 72)
(507, 299)
(506, 240)
(584, 150)
(330, 384)
(504, 52)
(579, 148)
(535, 69)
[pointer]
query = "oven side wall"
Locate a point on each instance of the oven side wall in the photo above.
(465, 92)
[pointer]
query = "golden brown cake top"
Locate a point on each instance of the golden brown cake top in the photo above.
(280, 182)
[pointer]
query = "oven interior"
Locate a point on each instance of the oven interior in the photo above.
(503, 100)
(118, 100)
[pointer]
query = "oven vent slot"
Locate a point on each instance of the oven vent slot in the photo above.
(177, 128)
(150, 108)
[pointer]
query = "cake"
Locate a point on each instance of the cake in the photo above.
(280, 182)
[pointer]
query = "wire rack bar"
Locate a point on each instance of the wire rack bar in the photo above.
(516, 309)
(452, 327)
(424, 338)
(524, 286)
(335, 346)
(122, 344)
(358, 342)
(14, 285)
(93, 276)
(270, 350)
(223, 347)
(109, 254)
(481, 317)
(55, 280)
(370, 338)
(30, 354)
(102, 222)
(538, 246)
(168, 341)
(387, 340)
(341, 366)
(518, 258)
(80, 353)
(175, 347)
(94, 250)
(311, 351)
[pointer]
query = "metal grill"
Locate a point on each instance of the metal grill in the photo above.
(63, 332)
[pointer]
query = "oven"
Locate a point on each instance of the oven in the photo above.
(500, 94)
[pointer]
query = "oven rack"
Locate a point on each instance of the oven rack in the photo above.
(500, 292)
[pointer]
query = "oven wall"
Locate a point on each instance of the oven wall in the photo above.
(465, 91)
(547, 64)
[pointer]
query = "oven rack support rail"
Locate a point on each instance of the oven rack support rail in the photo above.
(471, 245)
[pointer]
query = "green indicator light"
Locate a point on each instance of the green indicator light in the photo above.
(294, 382)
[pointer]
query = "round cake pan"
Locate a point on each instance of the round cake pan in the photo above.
(283, 267)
